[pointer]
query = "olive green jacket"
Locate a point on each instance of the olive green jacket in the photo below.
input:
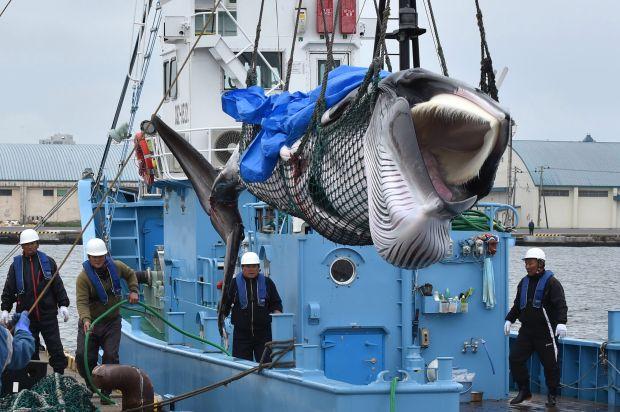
(88, 304)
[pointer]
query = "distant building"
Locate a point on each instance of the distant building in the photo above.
(33, 177)
(579, 186)
(58, 139)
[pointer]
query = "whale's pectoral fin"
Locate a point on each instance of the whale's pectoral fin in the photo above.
(218, 193)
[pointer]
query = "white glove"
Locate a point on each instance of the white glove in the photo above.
(64, 312)
(4, 318)
(560, 330)
(507, 326)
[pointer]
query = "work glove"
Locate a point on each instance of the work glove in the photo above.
(23, 322)
(4, 318)
(507, 326)
(560, 330)
(64, 312)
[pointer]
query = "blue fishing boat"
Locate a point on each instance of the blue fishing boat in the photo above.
(357, 332)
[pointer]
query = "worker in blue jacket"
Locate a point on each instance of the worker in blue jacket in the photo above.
(28, 276)
(252, 298)
(540, 305)
(16, 351)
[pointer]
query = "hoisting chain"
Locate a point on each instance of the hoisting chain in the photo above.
(487, 76)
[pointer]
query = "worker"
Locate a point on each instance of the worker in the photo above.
(541, 307)
(531, 226)
(28, 275)
(97, 289)
(253, 297)
(16, 350)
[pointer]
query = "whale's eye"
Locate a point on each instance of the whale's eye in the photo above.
(342, 271)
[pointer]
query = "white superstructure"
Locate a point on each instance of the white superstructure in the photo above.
(223, 55)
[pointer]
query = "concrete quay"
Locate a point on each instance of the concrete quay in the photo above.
(568, 237)
(9, 235)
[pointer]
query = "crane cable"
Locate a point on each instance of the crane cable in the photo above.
(5, 7)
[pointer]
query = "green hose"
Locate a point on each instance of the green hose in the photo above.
(393, 394)
(154, 313)
(475, 220)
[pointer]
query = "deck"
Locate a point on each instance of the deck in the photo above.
(537, 403)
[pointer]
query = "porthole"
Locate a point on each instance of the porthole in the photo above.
(342, 271)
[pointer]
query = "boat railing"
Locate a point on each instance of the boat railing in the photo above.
(165, 161)
(208, 294)
(491, 209)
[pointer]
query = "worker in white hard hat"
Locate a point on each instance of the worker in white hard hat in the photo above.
(252, 298)
(29, 274)
(541, 307)
(98, 288)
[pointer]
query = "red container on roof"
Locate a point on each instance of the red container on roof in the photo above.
(348, 16)
(328, 6)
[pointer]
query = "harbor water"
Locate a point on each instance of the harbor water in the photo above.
(587, 274)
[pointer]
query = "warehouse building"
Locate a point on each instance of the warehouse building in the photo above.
(34, 177)
(562, 184)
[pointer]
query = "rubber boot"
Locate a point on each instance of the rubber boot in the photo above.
(523, 395)
(551, 401)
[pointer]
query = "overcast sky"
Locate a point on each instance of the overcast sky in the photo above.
(62, 64)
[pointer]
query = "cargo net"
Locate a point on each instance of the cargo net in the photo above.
(324, 182)
(52, 393)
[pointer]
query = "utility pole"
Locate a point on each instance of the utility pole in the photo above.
(513, 201)
(540, 193)
(408, 30)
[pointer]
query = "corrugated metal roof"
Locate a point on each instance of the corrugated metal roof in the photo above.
(571, 163)
(59, 162)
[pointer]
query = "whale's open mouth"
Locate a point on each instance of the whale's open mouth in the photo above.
(455, 136)
(431, 151)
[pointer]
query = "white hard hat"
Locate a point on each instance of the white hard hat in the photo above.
(96, 247)
(27, 236)
(534, 253)
(250, 258)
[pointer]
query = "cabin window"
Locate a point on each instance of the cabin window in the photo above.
(48, 192)
(265, 77)
(225, 25)
(266, 220)
(593, 193)
(170, 73)
(6, 192)
(342, 271)
(61, 192)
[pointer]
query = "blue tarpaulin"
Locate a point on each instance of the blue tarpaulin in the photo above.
(283, 117)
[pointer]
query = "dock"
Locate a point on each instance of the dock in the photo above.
(72, 372)
(9, 235)
(568, 237)
(536, 404)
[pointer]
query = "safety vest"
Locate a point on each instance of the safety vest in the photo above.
(18, 265)
(540, 289)
(96, 281)
(243, 293)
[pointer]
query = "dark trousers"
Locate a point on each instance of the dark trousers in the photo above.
(105, 335)
(546, 346)
(531, 231)
(246, 346)
(49, 329)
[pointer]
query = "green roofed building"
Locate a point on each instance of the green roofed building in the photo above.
(33, 177)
